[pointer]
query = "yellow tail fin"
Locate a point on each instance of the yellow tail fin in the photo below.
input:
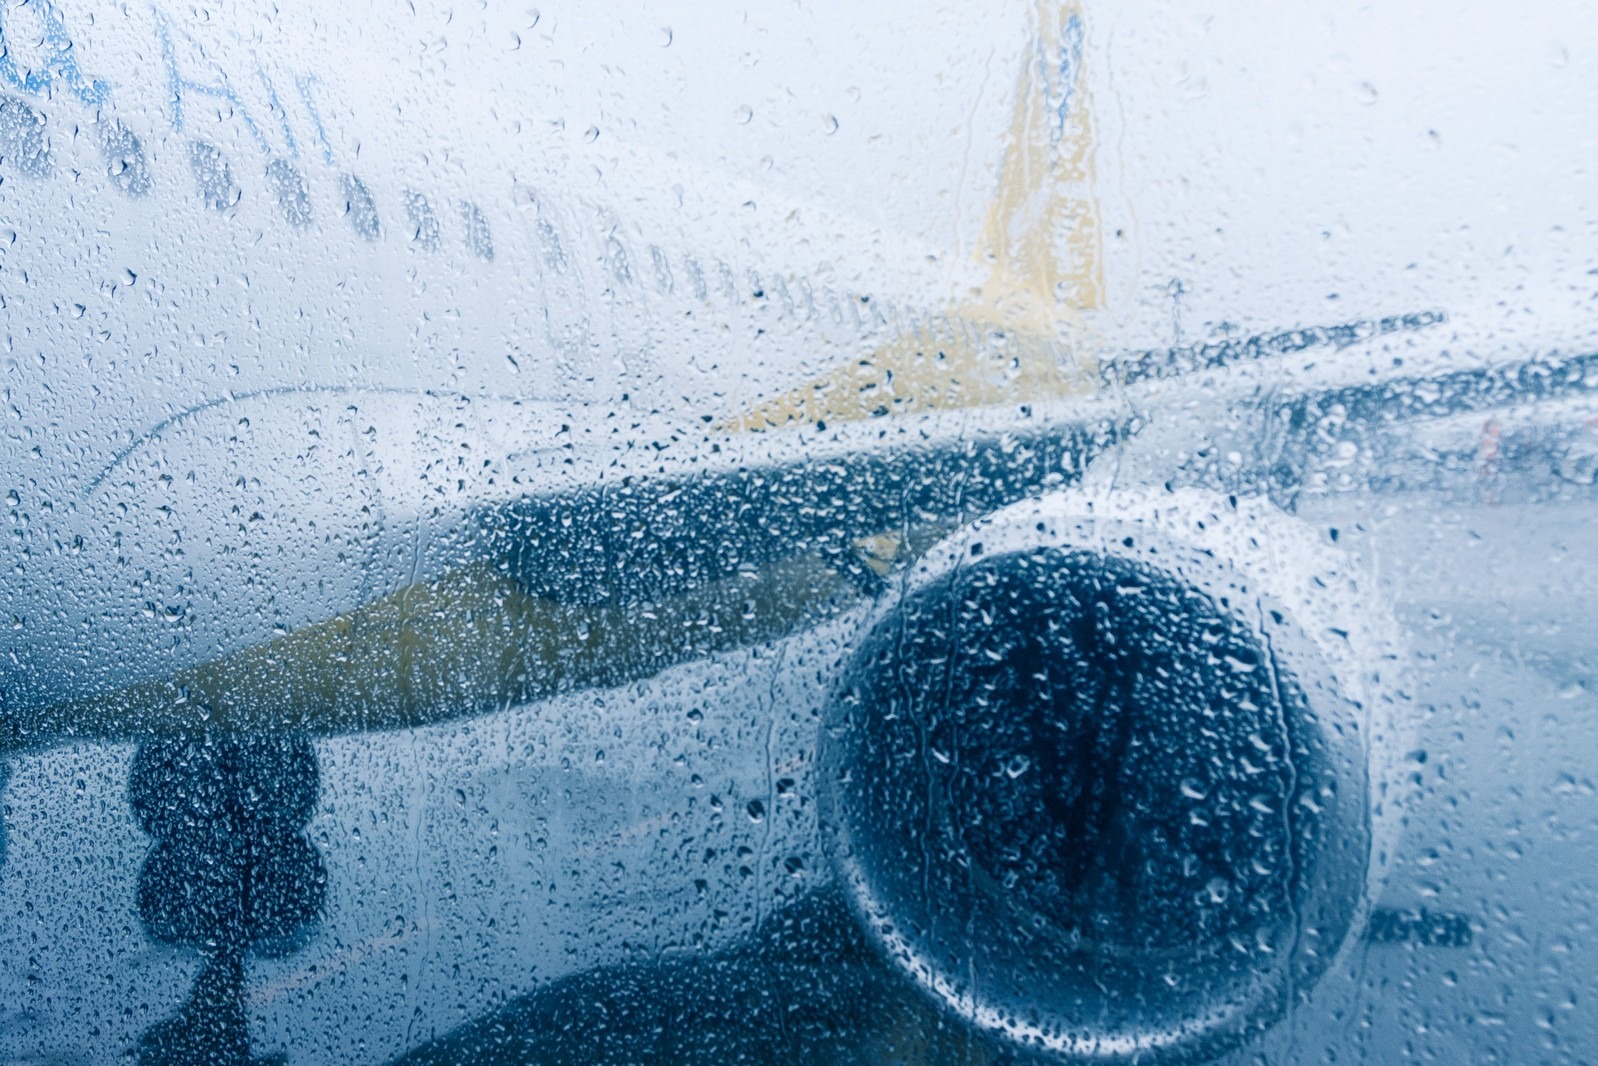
(1020, 337)
(1041, 234)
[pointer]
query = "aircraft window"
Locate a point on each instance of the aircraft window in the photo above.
(288, 186)
(360, 207)
(696, 279)
(478, 238)
(22, 138)
(125, 162)
(662, 265)
(212, 176)
(621, 270)
(607, 535)
(424, 223)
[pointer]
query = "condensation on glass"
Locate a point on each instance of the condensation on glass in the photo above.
(667, 536)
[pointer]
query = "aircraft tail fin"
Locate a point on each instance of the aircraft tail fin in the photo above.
(1020, 336)
(1041, 234)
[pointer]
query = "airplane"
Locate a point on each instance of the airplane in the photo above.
(486, 580)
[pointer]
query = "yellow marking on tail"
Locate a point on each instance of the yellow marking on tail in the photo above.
(1021, 336)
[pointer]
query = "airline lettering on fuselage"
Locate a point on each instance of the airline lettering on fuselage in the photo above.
(188, 79)
(60, 65)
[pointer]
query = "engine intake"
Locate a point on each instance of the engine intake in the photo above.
(1100, 783)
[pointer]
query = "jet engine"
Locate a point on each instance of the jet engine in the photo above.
(1108, 775)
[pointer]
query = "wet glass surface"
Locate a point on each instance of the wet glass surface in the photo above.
(675, 534)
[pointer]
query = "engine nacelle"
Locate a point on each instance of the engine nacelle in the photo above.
(1107, 777)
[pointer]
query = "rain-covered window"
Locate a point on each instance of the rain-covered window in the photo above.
(599, 533)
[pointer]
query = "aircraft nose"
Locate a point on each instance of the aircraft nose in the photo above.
(219, 529)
